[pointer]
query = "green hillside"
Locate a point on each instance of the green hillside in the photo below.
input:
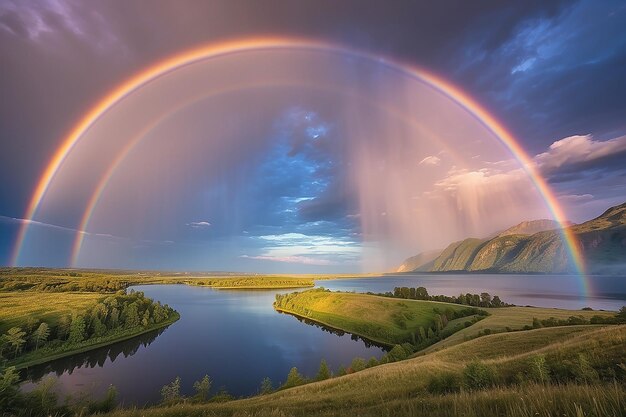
(603, 243)
(547, 372)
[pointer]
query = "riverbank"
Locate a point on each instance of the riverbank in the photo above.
(97, 343)
(383, 320)
(521, 373)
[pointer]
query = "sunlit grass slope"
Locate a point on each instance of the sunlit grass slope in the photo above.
(513, 318)
(403, 388)
(16, 308)
(381, 319)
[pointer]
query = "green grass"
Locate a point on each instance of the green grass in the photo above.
(67, 280)
(16, 308)
(514, 318)
(380, 319)
(401, 388)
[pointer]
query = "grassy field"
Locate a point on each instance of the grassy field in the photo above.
(16, 308)
(514, 318)
(381, 319)
(64, 280)
(403, 388)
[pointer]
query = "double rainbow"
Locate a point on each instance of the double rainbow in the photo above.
(238, 46)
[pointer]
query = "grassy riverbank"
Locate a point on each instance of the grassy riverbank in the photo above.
(39, 326)
(383, 320)
(43, 356)
(573, 371)
(107, 281)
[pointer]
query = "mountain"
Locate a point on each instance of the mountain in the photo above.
(602, 240)
(419, 261)
(532, 227)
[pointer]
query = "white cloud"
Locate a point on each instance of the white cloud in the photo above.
(199, 225)
(578, 149)
(430, 160)
(290, 259)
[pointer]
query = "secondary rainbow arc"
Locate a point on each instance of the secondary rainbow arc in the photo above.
(228, 47)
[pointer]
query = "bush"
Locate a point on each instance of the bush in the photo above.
(538, 369)
(444, 383)
(477, 375)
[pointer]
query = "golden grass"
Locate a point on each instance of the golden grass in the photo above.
(399, 389)
(17, 307)
(514, 318)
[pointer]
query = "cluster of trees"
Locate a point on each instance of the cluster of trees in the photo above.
(170, 393)
(439, 329)
(113, 314)
(474, 300)
(101, 285)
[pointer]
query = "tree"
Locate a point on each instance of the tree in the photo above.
(358, 364)
(485, 299)
(15, 337)
(130, 316)
(397, 353)
(496, 302)
(41, 334)
(170, 393)
(146, 318)
(323, 372)
(9, 390)
(77, 330)
(372, 362)
(294, 378)
(202, 388)
(98, 328)
(266, 386)
(63, 327)
(114, 318)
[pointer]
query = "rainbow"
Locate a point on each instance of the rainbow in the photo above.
(256, 44)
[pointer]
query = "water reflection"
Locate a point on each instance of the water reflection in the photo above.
(90, 359)
(338, 332)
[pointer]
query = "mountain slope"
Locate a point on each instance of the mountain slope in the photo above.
(602, 240)
(531, 227)
(419, 262)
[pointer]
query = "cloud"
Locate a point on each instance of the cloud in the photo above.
(290, 259)
(430, 160)
(199, 225)
(579, 149)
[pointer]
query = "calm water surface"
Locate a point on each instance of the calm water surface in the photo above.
(238, 339)
(235, 337)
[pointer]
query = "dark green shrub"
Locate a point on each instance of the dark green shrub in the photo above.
(477, 375)
(444, 383)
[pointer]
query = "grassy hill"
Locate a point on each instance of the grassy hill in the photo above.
(603, 243)
(384, 320)
(439, 383)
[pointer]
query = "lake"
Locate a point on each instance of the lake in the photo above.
(238, 339)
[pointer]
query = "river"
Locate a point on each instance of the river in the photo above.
(238, 339)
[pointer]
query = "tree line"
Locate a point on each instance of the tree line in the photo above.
(475, 300)
(116, 313)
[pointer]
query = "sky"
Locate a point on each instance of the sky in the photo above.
(298, 160)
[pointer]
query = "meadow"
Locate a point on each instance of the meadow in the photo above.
(446, 359)
(560, 371)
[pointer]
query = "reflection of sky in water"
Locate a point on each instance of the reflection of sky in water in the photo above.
(234, 336)
(238, 339)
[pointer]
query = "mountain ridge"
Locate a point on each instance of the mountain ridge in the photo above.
(602, 241)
